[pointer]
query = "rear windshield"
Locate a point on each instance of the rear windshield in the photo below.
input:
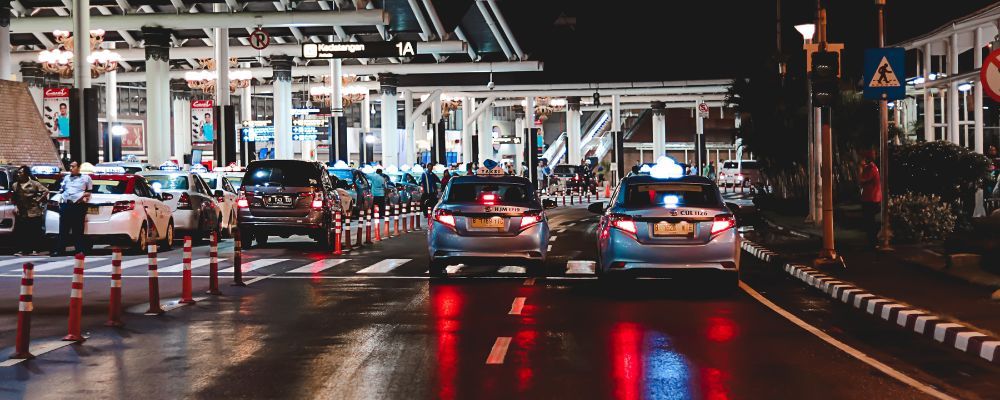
(110, 186)
(343, 174)
(50, 181)
(672, 195)
(236, 181)
(746, 165)
(3, 180)
(212, 182)
(566, 170)
(281, 174)
(729, 165)
(167, 182)
(506, 192)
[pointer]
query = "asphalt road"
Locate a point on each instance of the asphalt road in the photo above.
(375, 326)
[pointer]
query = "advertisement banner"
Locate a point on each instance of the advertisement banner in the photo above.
(55, 106)
(134, 138)
(202, 126)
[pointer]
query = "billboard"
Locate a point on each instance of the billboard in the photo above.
(55, 110)
(202, 126)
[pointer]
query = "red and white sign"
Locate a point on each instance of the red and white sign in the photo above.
(989, 75)
(202, 127)
(703, 110)
(259, 39)
(55, 110)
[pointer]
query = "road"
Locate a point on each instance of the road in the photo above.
(371, 324)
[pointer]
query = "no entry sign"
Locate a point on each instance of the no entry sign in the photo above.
(990, 75)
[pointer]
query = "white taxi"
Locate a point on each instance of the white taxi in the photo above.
(220, 184)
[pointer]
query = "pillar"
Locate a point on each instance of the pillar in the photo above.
(519, 125)
(953, 96)
(484, 128)
(390, 133)
(928, 96)
(573, 130)
(409, 140)
(6, 67)
(660, 130)
(181, 95)
(246, 114)
(31, 73)
(283, 145)
(977, 61)
(157, 46)
(110, 114)
(468, 107)
(439, 138)
(338, 125)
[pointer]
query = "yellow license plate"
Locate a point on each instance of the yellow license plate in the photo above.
(93, 210)
(678, 229)
(493, 222)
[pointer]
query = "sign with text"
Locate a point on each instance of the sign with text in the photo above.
(359, 50)
(55, 105)
(507, 140)
(703, 110)
(202, 128)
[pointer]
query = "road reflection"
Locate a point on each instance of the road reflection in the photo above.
(446, 304)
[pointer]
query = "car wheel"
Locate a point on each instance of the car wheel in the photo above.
(326, 238)
(438, 268)
(168, 239)
(141, 241)
(261, 239)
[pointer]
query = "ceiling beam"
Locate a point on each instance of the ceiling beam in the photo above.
(374, 69)
(134, 22)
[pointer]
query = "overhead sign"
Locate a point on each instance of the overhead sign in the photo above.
(703, 110)
(359, 50)
(507, 140)
(989, 75)
(883, 69)
(259, 39)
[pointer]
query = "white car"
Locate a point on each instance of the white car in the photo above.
(218, 181)
(195, 208)
(739, 173)
(123, 210)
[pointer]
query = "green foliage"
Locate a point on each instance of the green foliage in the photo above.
(940, 168)
(918, 217)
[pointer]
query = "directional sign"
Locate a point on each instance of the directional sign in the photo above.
(507, 140)
(989, 75)
(703, 110)
(259, 39)
(359, 50)
(884, 69)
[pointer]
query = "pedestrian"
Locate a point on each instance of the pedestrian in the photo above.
(74, 193)
(871, 195)
(429, 182)
(378, 189)
(445, 178)
(30, 200)
(711, 170)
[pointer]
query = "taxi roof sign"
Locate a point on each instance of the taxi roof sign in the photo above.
(496, 171)
(109, 169)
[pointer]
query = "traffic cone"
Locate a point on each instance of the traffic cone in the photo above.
(237, 261)
(24, 307)
(154, 282)
(213, 263)
(76, 301)
(115, 300)
(337, 250)
(186, 273)
(607, 191)
(378, 225)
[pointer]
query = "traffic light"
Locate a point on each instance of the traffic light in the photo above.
(825, 81)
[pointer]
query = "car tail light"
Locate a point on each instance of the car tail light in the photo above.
(6, 196)
(53, 206)
(488, 199)
(530, 219)
(722, 175)
(184, 202)
(722, 223)
(317, 200)
(444, 217)
(241, 201)
(739, 176)
(121, 206)
(624, 223)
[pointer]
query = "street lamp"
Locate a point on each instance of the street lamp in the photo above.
(807, 31)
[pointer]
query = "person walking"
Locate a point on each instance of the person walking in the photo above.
(30, 200)
(378, 188)
(74, 193)
(871, 195)
(429, 182)
(445, 178)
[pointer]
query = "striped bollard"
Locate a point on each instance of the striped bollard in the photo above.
(337, 231)
(378, 224)
(186, 273)
(404, 216)
(213, 263)
(388, 221)
(24, 308)
(237, 260)
(368, 228)
(413, 217)
(395, 218)
(361, 227)
(572, 194)
(418, 215)
(76, 302)
(154, 282)
(115, 301)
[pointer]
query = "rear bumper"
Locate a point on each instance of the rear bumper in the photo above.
(120, 228)
(530, 245)
(620, 252)
(282, 225)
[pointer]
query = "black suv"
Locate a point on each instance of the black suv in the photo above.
(287, 197)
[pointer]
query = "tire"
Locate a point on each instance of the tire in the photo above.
(327, 238)
(535, 268)
(141, 241)
(260, 239)
(438, 269)
(168, 239)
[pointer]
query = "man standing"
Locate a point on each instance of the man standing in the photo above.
(30, 199)
(429, 182)
(871, 195)
(74, 194)
(378, 188)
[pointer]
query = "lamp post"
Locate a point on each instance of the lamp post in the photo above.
(807, 31)
(883, 144)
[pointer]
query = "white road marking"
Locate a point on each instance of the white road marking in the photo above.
(511, 269)
(59, 264)
(844, 347)
(19, 260)
(499, 351)
(137, 262)
(517, 306)
(553, 238)
(179, 267)
(258, 279)
(319, 266)
(560, 230)
(39, 349)
(570, 224)
(176, 303)
(580, 267)
(256, 264)
(548, 248)
(384, 266)
(529, 282)
(453, 269)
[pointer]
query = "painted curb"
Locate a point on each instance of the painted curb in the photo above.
(758, 251)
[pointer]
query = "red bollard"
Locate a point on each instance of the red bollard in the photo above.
(337, 250)
(115, 301)
(154, 283)
(361, 226)
(395, 218)
(378, 225)
(213, 263)
(368, 228)
(24, 308)
(76, 302)
(186, 273)
(237, 260)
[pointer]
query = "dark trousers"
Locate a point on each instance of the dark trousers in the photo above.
(71, 221)
(869, 212)
(29, 233)
(427, 202)
(380, 202)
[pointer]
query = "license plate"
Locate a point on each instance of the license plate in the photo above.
(278, 201)
(93, 210)
(664, 228)
(492, 222)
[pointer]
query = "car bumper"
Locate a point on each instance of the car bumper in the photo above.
(281, 225)
(121, 227)
(530, 245)
(620, 252)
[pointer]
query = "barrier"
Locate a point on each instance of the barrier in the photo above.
(368, 229)
(76, 301)
(186, 273)
(154, 282)
(419, 214)
(213, 263)
(413, 217)
(378, 224)
(24, 308)
(404, 216)
(237, 261)
(337, 228)
(361, 223)
(115, 300)
(388, 222)
(395, 219)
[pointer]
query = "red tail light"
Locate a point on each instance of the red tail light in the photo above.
(6, 196)
(241, 201)
(530, 219)
(488, 199)
(184, 202)
(317, 200)
(722, 223)
(624, 223)
(121, 206)
(444, 217)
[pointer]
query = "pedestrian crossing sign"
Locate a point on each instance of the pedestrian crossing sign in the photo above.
(884, 68)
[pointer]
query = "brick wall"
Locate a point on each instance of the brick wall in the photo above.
(23, 137)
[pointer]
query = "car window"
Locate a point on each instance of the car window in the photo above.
(167, 182)
(234, 182)
(507, 193)
(343, 174)
(729, 165)
(4, 181)
(227, 186)
(109, 186)
(281, 173)
(566, 169)
(671, 194)
(140, 189)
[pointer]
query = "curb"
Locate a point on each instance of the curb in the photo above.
(956, 335)
(790, 231)
(758, 251)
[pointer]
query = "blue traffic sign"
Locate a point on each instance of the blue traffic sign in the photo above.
(885, 72)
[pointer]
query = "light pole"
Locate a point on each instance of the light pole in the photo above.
(883, 145)
(807, 31)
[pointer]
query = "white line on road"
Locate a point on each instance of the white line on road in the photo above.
(517, 306)
(59, 264)
(512, 269)
(256, 264)
(179, 267)
(560, 230)
(553, 238)
(892, 372)
(548, 248)
(258, 279)
(137, 262)
(176, 303)
(499, 351)
(19, 260)
(319, 266)
(384, 266)
(38, 349)
(570, 224)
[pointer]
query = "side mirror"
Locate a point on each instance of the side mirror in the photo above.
(548, 204)
(166, 196)
(596, 208)
(219, 193)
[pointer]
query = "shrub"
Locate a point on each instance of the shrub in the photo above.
(917, 217)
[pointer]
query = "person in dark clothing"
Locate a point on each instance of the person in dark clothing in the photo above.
(429, 182)
(74, 193)
(871, 195)
(30, 200)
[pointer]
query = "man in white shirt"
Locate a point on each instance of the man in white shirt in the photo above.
(74, 193)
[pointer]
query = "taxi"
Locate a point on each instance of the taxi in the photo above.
(224, 193)
(354, 185)
(123, 210)
(407, 183)
(665, 223)
(233, 174)
(194, 206)
(488, 218)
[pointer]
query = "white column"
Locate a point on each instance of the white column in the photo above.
(468, 107)
(660, 131)
(182, 123)
(81, 51)
(6, 63)
(436, 119)
(157, 47)
(928, 96)
(283, 145)
(953, 96)
(390, 134)
(485, 129)
(519, 133)
(977, 61)
(409, 139)
(573, 155)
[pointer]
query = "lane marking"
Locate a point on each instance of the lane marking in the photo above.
(548, 248)
(384, 266)
(358, 277)
(892, 372)
(560, 230)
(38, 350)
(60, 264)
(511, 269)
(319, 266)
(259, 278)
(453, 269)
(179, 267)
(137, 262)
(176, 303)
(570, 224)
(499, 351)
(529, 282)
(517, 306)
(255, 265)
(19, 260)
(553, 238)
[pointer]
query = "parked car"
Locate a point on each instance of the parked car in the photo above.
(288, 197)
(194, 205)
(360, 189)
(408, 185)
(739, 173)
(219, 184)
(7, 208)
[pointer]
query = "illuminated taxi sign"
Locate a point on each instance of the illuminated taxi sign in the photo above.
(666, 168)
(198, 168)
(45, 169)
(108, 169)
(169, 166)
(496, 171)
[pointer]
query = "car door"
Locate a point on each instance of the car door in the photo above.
(209, 206)
(145, 198)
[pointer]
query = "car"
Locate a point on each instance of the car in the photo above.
(571, 177)
(666, 223)
(196, 210)
(131, 167)
(288, 197)
(225, 194)
(357, 185)
(8, 175)
(123, 210)
(408, 185)
(392, 195)
(488, 218)
(739, 173)
(233, 174)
